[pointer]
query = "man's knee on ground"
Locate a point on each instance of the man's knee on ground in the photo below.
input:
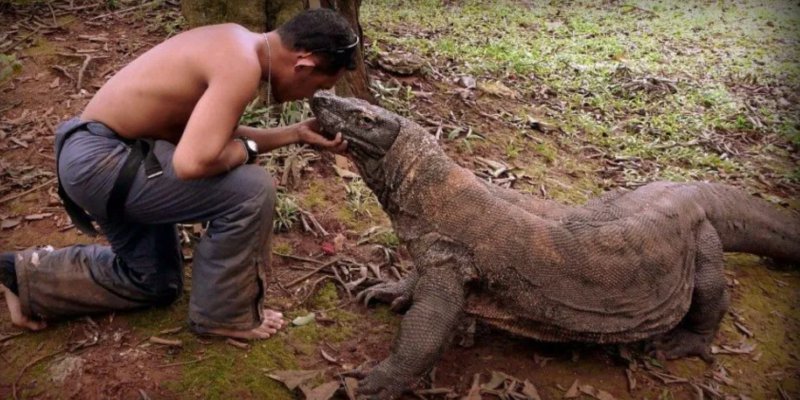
(165, 290)
(159, 288)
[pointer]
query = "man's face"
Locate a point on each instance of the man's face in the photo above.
(302, 82)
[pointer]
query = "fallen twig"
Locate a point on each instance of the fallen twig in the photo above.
(29, 191)
(170, 331)
(63, 71)
(85, 64)
(28, 365)
(310, 274)
(10, 336)
(312, 289)
(177, 364)
(314, 222)
(166, 342)
(24, 38)
(53, 13)
(237, 344)
(123, 11)
(298, 258)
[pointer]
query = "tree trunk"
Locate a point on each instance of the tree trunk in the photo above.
(356, 82)
(266, 15)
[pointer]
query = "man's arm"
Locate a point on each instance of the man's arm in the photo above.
(307, 132)
(206, 147)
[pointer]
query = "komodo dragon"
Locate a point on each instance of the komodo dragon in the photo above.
(627, 266)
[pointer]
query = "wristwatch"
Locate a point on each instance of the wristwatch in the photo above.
(251, 147)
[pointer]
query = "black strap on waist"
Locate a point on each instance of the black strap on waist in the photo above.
(141, 151)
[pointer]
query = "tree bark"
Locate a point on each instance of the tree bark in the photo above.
(356, 82)
(266, 15)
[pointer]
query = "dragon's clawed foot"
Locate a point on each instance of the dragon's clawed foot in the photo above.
(681, 342)
(382, 384)
(394, 293)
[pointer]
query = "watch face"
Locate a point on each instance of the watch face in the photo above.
(251, 144)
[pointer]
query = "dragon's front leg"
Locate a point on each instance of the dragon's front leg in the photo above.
(438, 302)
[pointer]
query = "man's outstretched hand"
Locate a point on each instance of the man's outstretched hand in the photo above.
(309, 132)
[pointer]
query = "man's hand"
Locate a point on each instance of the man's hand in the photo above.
(309, 132)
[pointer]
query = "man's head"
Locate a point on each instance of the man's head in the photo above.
(318, 46)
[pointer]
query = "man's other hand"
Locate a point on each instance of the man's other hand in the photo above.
(309, 132)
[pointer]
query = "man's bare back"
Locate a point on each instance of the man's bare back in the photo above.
(154, 96)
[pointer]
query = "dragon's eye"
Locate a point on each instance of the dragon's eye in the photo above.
(367, 119)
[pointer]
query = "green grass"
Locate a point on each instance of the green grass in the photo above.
(587, 53)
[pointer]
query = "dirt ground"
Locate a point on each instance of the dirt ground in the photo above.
(64, 50)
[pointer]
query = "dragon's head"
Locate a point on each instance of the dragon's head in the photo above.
(370, 130)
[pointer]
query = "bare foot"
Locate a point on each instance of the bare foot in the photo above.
(273, 321)
(16, 312)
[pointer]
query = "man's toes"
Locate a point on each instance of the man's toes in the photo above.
(26, 323)
(272, 324)
(260, 334)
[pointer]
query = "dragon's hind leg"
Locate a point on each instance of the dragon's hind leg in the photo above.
(710, 298)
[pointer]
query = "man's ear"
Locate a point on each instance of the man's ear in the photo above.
(305, 61)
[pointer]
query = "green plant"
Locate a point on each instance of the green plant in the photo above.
(467, 136)
(386, 239)
(359, 197)
(286, 213)
(283, 248)
(9, 65)
(512, 148)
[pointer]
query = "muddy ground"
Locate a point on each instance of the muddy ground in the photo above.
(553, 125)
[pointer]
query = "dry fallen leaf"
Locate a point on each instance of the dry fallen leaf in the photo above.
(475, 390)
(321, 392)
(596, 393)
(744, 348)
(329, 358)
(498, 89)
(294, 378)
(9, 223)
(530, 391)
(350, 387)
(573, 391)
(344, 173)
(496, 380)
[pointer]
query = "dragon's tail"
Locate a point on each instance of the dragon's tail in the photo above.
(749, 224)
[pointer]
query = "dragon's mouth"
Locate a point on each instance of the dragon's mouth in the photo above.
(359, 144)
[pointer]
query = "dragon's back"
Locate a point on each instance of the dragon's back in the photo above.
(597, 272)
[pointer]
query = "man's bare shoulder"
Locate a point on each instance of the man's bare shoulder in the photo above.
(228, 49)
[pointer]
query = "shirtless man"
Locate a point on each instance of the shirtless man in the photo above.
(187, 94)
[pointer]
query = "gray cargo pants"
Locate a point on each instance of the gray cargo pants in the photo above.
(143, 265)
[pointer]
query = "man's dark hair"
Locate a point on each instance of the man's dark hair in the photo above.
(325, 33)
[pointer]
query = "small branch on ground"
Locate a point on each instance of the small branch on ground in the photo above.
(312, 273)
(123, 11)
(31, 190)
(166, 342)
(177, 364)
(27, 366)
(298, 258)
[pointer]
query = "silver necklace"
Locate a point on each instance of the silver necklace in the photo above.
(269, 71)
